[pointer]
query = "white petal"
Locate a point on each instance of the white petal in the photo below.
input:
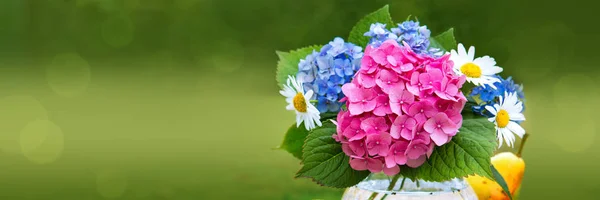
(500, 137)
(501, 101)
(453, 55)
(471, 54)
(491, 109)
(492, 119)
(461, 51)
(492, 70)
(334, 122)
(308, 124)
(516, 116)
(298, 118)
(290, 107)
(308, 95)
(516, 128)
(318, 121)
(519, 106)
(485, 61)
(508, 136)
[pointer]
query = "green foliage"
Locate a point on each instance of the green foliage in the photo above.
(294, 140)
(467, 111)
(357, 35)
(288, 62)
(444, 41)
(500, 180)
(468, 153)
(325, 162)
(328, 115)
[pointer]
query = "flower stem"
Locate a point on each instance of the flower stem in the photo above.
(390, 187)
(402, 183)
(393, 183)
(522, 145)
(373, 195)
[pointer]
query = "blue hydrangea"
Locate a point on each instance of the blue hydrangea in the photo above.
(487, 95)
(379, 34)
(326, 71)
(416, 36)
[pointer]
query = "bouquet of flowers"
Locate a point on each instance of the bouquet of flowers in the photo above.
(396, 100)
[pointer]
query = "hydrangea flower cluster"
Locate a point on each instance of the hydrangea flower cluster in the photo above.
(400, 105)
(417, 37)
(488, 96)
(326, 71)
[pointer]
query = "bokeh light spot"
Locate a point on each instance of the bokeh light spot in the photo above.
(42, 141)
(68, 74)
(111, 183)
(17, 112)
(118, 31)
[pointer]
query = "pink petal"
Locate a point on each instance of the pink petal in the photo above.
(414, 163)
(352, 91)
(357, 147)
(368, 106)
(430, 150)
(408, 134)
(439, 138)
(451, 89)
(385, 138)
(347, 150)
(391, 60)
(448, 126)
(374, 165)
(389, 160)
(391, 171)
(396, 126)
(366, 80)
(400, 159)
(358, 164)
(383, 106)
(368, 65)
(430, 125)
(379, 56)
(355, 108)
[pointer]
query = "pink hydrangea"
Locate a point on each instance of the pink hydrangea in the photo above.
(400, 105)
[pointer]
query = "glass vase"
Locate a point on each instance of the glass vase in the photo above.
(376, 187)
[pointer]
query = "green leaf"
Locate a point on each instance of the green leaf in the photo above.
(294, 140)
(468, 112)
(409, 172)
(468, 153)
(500, 180)
(288, 62)
(328, 115)
(444, 41)
(357, 34)
(325, 162)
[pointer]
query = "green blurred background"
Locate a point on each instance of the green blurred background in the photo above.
(176, 99)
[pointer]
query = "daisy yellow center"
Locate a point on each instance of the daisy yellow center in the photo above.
(471, 70)
(299, 102)
(502, 118)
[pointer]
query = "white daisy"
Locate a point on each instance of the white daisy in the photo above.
(506, 115)
(479, 71)
(300, 102)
